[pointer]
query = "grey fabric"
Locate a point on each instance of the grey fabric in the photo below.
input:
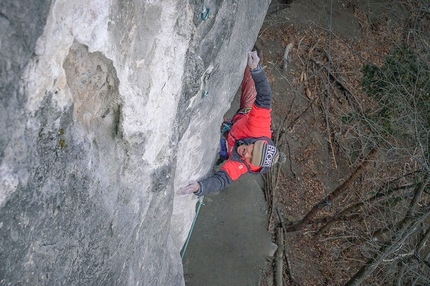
(264, 92)
(215, 183)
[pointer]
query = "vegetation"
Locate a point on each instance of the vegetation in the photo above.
(401, 87)
(372, 227)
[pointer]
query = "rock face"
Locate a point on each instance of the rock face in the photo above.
(107, 109)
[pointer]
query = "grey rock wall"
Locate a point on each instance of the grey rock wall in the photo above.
(107, 109)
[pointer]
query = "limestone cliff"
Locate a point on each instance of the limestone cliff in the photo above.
(107, 108)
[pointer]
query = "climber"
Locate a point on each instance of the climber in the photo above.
(249, 147)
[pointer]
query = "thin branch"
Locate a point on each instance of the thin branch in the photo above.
(422, 243)
(336, 193)
(418, 192)
(287, 257)
(300, 115)
(379, 196)
(408, 227)
(341, 85)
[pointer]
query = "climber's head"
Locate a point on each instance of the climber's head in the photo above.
(264, 154)
(260, 153)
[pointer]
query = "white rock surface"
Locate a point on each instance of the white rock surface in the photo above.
(104, 119)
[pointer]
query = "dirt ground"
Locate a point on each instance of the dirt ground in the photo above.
(305, 108)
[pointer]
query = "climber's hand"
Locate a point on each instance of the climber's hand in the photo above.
(253, 60)
(192, 187)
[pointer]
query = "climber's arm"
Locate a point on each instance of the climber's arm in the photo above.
(230, 171)
(215, 183)
(259, 119)
(262, 86)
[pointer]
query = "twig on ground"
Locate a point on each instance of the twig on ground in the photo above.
(287, 257)
(279, 257)
(341, 85)
(287, 51)
(290, 126)
(329, 139)
(289, 158)
(274, 178)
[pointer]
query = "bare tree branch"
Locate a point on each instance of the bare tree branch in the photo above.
(404, 230)
(333, 195)
(379, 196)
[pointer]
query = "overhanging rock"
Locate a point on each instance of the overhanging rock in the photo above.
(107, 109)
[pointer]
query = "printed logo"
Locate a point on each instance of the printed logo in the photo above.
(270, 154)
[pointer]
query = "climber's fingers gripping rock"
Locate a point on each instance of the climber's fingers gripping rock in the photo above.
(192, 187)
(253, 60)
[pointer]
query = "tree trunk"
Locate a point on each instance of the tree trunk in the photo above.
(409, 226)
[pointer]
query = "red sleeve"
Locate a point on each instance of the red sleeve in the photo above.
(234, 169)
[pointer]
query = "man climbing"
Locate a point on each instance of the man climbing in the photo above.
(249, 147)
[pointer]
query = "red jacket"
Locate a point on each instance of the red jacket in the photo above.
(254, 124)
(250, 127)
